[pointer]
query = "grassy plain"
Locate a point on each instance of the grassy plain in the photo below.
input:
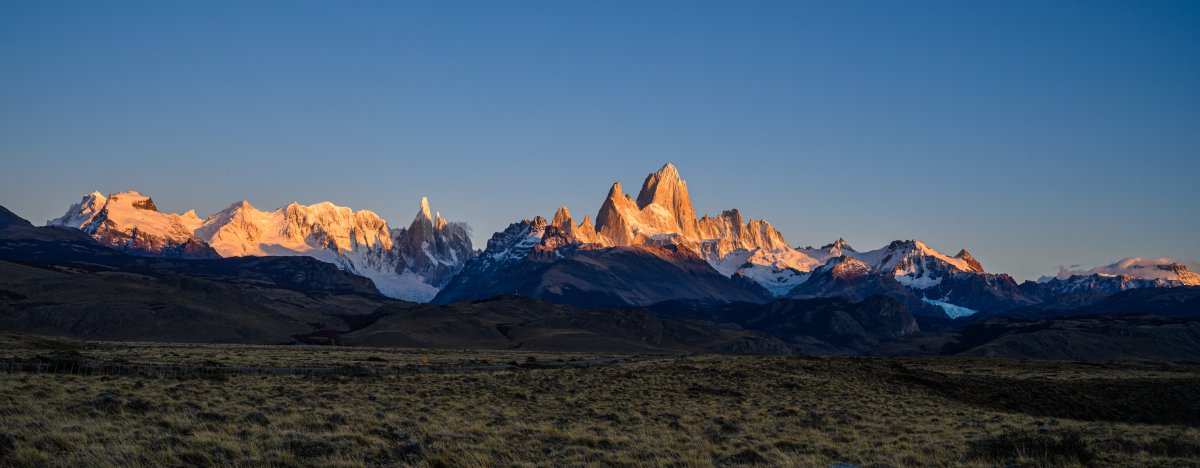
(702, 410)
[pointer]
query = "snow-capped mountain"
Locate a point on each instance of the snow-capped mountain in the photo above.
(1102, 283)
(849, 277)
(1129, 273)
(913, 272)
(516, 243)
(663, 214)
(637, 251)
(834, 249)
(241, 229)
(917, 265)
(357, 241)
(959, 286)
(82, 213)
(661, 217)
(839, 276)
(538, 259)
(432, 248)
(749, 252)
(129, 221)
(411, 263)
(1167, 269)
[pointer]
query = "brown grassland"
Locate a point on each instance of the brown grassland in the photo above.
(698, 410)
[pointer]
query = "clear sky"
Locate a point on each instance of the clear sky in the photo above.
(1034, 134)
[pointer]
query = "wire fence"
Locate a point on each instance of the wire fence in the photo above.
(90, 369)
(101, 369)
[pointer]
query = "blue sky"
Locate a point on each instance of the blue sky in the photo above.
(1034, 134)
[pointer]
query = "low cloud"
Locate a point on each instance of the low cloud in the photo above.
(1138, 267)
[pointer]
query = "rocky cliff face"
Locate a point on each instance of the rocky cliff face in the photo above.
(664, 203)
(663, 215)
(752, 253)
(411, 263)
(416, 261)
(432, 247)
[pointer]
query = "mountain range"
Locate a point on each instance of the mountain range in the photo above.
(652, 248)
(411, 263)
(638, 251)
(578, 295)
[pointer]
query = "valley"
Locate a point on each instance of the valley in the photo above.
(696, 410)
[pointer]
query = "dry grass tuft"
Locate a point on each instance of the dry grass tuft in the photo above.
(687, 411)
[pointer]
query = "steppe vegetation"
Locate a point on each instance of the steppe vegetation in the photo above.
(700, 410)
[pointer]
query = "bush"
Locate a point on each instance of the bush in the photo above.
(1067, 448)
(138, 405)
(745, 457)
(106, 401)
(306, 446)
(408, 451)
(258, 418)
(7, 445)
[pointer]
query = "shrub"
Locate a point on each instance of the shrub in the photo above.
(138, 405)
(7, 445)
(306, 446)
(105, 401)
(1067, 448)
(745, 457)
(258, 418)
(408, 450)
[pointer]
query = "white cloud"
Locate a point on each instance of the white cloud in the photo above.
(1138, 267)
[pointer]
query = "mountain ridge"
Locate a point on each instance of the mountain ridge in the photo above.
(59, 281)
(409, 263)
(418, 262)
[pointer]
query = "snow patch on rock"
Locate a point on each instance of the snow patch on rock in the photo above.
(952, 311)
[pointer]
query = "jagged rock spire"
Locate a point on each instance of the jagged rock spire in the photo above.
(424, 213)
(614, 221)
(562, 217)
(663, 212)
(616, 191)
(838, 246)
(667, 190)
